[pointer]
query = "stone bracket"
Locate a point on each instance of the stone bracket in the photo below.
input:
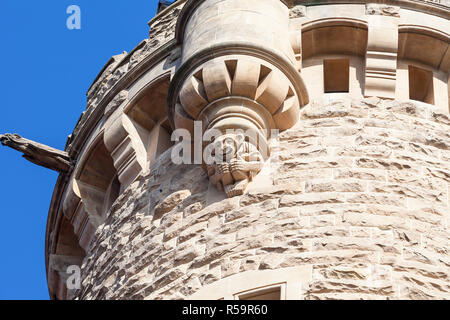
(382, 48)
(126, 148)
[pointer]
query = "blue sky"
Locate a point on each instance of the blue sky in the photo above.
(46, 71)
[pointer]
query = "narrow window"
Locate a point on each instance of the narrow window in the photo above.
(336, 75)
(273, 293)
(420, 84)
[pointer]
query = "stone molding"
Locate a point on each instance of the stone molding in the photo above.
(430, 7)
(289, 279)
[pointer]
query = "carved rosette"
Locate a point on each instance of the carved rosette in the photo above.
(241, 93)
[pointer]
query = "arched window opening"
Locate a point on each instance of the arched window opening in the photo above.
(277, 284)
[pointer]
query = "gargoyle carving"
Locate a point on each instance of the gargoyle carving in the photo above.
(234, 162)
(37, 153)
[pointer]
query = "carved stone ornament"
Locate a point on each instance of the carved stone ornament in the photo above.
(235, 162)
(237, 93)
(297, 12)
(39, 154)
(382, 10)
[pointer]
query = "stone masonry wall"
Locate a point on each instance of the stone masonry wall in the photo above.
(360, 192)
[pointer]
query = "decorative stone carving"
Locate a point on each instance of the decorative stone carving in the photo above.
(162, 29)
(297, 12)
(116, 102)
(243, 93)
(382, 10)
(235, 162)
(250, 86)
(38, 153)
(245, 77)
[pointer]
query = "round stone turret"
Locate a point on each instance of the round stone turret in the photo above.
(342, 191)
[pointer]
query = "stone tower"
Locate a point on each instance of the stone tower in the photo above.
(340, 191)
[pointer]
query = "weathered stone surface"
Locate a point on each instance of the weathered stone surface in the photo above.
(170, 202)
(351, 202)
(38, 153)
(373, 227)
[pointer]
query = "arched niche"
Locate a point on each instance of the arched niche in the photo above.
(333, 52)
(425, 46)
(147, 112)
(89, 195)
(96, 181)
(68, 252)
(423, 66)
(334, 36)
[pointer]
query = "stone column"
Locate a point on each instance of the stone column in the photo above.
(382, 48)
(239, 71)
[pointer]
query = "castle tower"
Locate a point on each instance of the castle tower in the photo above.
(332, 121)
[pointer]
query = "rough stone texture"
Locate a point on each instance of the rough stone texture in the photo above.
(353, 203)
(360, 192)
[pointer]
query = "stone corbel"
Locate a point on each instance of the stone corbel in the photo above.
(382, 48)
(126, 148)
(238, 93)
(297, 11)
